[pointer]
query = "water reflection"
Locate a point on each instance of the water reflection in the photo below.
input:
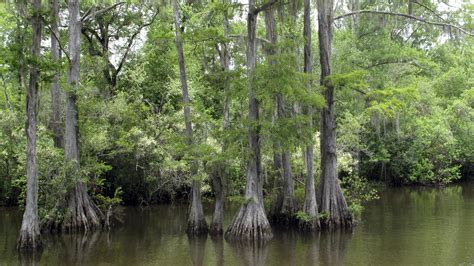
(79, 247)
(218, 244)
(333, 247)
(312, 243)
(251, 253)
(409, 226)
(197, 246)
(28, 258)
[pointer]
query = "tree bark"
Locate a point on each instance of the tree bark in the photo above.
(55, 123)
(270, 51)
(21, 9)
(331, 199)
(251, 223)
(354, 18)
(82, 214)
(310, 206)
(197, 224)
(29, 237)
(285, 205)
(219, 179)
(218, 216)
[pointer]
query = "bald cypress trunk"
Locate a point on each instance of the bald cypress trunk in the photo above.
(331, 200)
(218, 215)
(284, 207)
(251, 222)
(29, 237)
(310, 206)
(196, 222)
(272, 37)
(21, 9)
(55, 123)
(219, 179)
(82, 214)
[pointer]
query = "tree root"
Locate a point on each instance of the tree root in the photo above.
(29, 240)
(250, 224)
(81, 214)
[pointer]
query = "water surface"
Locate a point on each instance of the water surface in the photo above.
(406, 226)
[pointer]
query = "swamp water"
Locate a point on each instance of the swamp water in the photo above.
(406, 226)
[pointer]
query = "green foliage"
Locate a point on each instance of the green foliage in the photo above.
(404, 104)
(302, 216)
(299, 195)
(106, 203)
(357, 192)
(236, 199)
(323, 216)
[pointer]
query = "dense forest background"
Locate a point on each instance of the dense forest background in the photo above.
(403, 92)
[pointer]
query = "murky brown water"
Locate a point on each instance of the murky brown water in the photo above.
(406, 226)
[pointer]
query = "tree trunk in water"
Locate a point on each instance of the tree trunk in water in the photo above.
(219, 179)
(55, 90)
(285, 206)
(288, 194)
(83, 214)
(270, 51)
(331, 199)
(251, 222)
(310, 206)
(218, 216)
(29, 237)
(196, 222)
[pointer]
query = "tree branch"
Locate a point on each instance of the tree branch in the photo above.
(360, 91)
(431, 10)
(264, 6)
(297, 180)
(59, 43)
(92, 50)
(243, 37)
(405, 16)
(391, 62)
(130, 42)
(89, 13)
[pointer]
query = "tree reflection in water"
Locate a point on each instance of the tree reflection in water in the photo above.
(79, 247)
(197, 246)
(218, 243)
(294, 248)
(27, 258)
(251, 253)
(333, 246)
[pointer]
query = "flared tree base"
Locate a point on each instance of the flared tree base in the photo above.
(197, 227)
(81, 214)
(334, 205)
(29, 241)
(311, 225)
(250, 224)
(337, 223)
(216, 229)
